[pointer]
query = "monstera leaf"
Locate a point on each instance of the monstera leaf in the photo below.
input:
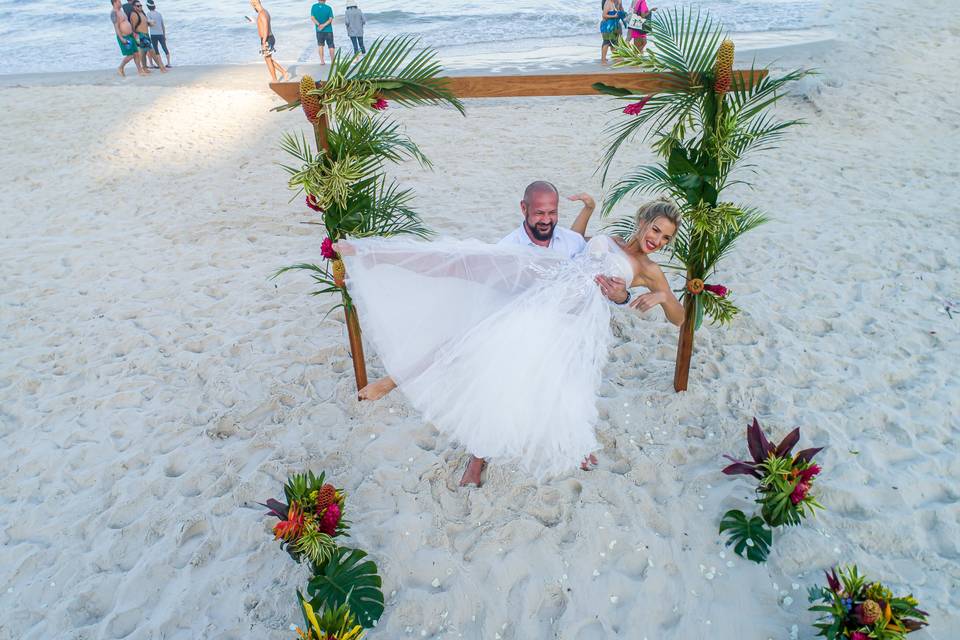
(347, 579)
(750, 535)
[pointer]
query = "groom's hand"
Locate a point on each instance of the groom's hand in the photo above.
(615, 289)
(585, 198)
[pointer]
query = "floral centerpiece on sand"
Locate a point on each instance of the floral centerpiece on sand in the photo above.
(783, 491)
(859, 610)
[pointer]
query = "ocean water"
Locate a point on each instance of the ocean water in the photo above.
(42, 35)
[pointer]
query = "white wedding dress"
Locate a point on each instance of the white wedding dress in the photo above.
(500, 347)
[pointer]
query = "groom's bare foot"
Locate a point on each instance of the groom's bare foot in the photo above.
(378, 389)
(589, 462)
(473, 471)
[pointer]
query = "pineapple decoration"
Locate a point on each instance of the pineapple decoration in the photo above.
(723, 68)
(310, 102)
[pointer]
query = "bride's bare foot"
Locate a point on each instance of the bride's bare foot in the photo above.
(378, 389)
(589, 462)
(473, 471)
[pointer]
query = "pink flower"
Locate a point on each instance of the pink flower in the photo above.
(328, 523)
(635, 108)
(859, 635)
(717, 289)
(326, 249)
(799, 492)
(380, 104)
(314, 203)
(807, 474)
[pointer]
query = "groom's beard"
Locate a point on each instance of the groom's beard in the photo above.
(541, 233)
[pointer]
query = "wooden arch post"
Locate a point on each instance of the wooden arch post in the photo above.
(349, 311)
(568, 84)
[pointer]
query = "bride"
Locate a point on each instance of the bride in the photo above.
(502, 347)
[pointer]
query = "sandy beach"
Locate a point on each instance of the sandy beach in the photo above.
(156, 384)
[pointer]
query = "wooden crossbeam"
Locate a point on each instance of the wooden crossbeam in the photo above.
(572, 84)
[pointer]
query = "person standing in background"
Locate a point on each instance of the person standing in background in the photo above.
(322, 16)
(158, 32)
(139, 21)
(125, 37)
(354, 19)
(267, 41)
(610, 30)
(638, 36)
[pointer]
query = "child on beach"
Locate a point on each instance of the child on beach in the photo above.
(354, 19)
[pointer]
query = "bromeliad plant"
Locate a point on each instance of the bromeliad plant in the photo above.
(310, 519)
(855, 609)
(333, 623)
(340, 172)
(310, 523)
(783, 491)
(703, 125)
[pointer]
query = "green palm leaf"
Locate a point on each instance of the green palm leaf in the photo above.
(407, 76)
(348, 579)
(645, 179)
(686, 41)
(377, 137)
(747, 535)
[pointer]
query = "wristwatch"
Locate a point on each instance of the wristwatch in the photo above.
(626, 300)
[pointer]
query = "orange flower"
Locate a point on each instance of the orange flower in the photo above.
(291, 528)
(695, 286)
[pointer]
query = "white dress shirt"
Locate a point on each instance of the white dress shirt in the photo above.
(564, 241)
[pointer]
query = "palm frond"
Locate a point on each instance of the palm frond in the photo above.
(388, 213)
(646, 179)
(377, 136)
(686, 41)
(665, 110)
(405, 75)
(748, 97)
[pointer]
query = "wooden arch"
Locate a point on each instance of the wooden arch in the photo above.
(523, 86)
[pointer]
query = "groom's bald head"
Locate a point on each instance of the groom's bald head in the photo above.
(539, 206)
(537, 187)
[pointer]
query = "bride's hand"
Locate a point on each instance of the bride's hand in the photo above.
(344, 248)
(648, 301)
(585, 198)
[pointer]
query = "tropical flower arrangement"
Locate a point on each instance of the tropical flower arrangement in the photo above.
(344, 586)
(856, 609)
(311, 518)
(783, 491)
(703, 124)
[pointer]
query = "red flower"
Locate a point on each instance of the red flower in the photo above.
(859, 635)
(314, 203)
(807, 474)
(328, 523)
(380, 104)
(326, 249)
(635, 108)
(717, 289)
(799, 492)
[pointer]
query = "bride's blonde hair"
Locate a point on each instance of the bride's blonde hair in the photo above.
(662, 207)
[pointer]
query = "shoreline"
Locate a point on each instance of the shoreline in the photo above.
(248, 75)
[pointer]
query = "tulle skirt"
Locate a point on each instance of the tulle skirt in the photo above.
(500, 347)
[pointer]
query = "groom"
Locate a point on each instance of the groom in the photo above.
(540, 210)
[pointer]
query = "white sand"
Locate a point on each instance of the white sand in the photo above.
(155, 384)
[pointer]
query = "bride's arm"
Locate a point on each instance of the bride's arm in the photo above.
(583, 218)
(660, 294)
